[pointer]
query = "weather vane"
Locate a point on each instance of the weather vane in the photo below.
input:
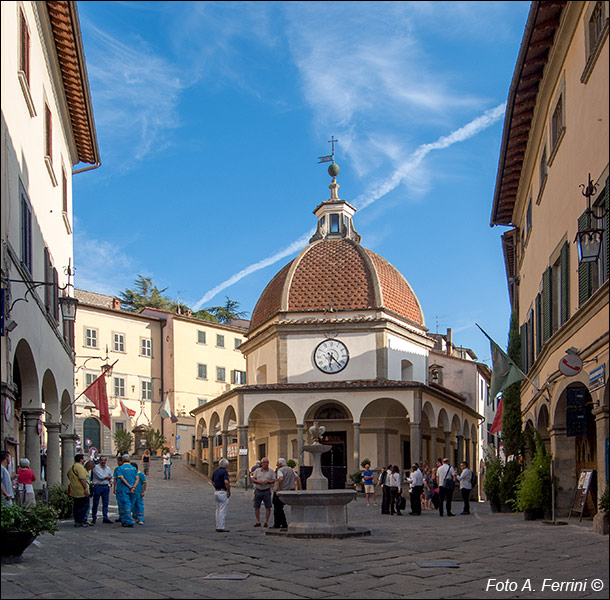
(330, 157)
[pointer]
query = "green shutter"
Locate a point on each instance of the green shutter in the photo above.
(584, 269)
(538, 320)
(607, 227)
(523, 335)
(565, 283)
(547, 305)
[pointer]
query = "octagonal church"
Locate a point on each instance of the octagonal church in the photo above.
(337, 336)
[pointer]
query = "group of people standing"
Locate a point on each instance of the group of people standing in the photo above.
(267, 483)
(20, 485)
(432, 486)
(90, 480)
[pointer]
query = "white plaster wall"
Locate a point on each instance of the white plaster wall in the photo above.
(400, 349)
(361, 365)
(264, 356)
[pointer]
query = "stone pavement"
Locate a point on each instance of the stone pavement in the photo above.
(172, 554)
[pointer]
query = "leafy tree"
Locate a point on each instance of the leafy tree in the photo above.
(123, 441)
(145, 293)
(205, 315)
(229, 311)
(154, 439)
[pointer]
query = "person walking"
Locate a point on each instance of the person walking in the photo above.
(78, 490)
(101, 480)
(369, 486)
(137, 500)
(385, 490)
(466, 480)
(222, 494)
(286, 479)
(127, 481)
(145, 462)
(7, 480)
(25, 480)
(263, 479)
(445, 475)
(417, 488)
(167, 464)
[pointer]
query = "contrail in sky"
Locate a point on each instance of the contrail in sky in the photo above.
(376, 192)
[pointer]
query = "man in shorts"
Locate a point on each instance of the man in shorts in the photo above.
(369, 485)
(263, 479)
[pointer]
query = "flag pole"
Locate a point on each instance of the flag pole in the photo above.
(528, 378)
(105, 370)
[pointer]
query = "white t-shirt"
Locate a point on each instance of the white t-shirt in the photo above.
(465, 479)
(444, 472)
(167, 458)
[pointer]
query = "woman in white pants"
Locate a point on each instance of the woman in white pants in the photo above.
(222, 485)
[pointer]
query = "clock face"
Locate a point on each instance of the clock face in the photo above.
(331, 356)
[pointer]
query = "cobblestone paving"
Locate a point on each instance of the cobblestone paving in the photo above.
(172, 554)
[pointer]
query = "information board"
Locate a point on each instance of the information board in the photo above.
(585, 481)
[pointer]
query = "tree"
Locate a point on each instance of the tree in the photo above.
(512, 436)
(226, 313)
(123, 441)
(154, 439)
(145, 293)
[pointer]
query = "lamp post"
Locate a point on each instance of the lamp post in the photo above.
(590, 238)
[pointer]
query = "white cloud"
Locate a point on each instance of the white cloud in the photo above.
(135, 94)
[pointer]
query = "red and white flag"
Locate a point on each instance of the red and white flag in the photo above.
(128, 412)
(497, 424)
(96, 392)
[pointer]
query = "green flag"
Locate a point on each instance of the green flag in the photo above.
(505, 372)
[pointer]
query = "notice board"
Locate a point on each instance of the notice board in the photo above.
(583, 489)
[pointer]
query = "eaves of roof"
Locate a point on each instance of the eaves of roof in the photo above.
(542, 23)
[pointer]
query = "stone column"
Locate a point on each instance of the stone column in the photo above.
(460, 448)
(356, 446)
(198, 447)
(300, 429)
(32, 441)
(448, 446)
(225, 443)
(242, 460)
(601, 430)
(68, 450)
(563, 450)
(467, 449)
(433, 451)
(53, 461)
(416, 450)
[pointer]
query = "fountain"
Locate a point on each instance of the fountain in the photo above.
(318, 512)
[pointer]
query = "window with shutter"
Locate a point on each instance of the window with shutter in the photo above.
(538, 320)
(565, 283)
(48, 129)
(523, 334)
(26, 232)
(24, 58)
(55, 295)
(48, 289)
(547, 305)
(585, 269)
(530, 340)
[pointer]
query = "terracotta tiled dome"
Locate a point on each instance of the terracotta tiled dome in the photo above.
(338, 273)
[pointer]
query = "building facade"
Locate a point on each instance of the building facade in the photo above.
(47, 130)
(556, 138)
(338, 337)
(154, 355)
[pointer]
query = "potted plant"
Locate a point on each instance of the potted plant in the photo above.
(61, 501)
(154, 440)
(604, 509)
(533, 489)
(123, 441)
(492, 483)
(21, 525)
(356, 479)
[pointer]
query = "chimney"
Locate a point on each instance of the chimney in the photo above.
(116, 304)
(449, 341)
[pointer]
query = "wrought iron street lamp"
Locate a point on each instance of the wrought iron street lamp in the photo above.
(590, 238)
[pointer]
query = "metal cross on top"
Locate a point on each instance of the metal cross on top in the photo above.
(330, 157)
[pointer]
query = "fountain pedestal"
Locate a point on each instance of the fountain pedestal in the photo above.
(318, 512)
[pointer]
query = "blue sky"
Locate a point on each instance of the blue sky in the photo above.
(211, 116)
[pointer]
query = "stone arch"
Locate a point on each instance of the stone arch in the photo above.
(67, 412)
(311, 412)
(428, 410)
(385, 434)
(443, 421)
(25, 376)
(50, 398)
(202, 428)
(272, 428)
(229, 419)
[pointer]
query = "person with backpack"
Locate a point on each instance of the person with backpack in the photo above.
(446, 484)
(466, 479)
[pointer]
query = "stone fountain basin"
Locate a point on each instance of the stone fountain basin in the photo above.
(320, 513)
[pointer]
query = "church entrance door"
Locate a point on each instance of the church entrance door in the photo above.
(334, 462)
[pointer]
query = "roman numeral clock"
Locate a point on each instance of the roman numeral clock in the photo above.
(331, 356)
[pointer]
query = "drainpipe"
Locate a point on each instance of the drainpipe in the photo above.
(90, 168)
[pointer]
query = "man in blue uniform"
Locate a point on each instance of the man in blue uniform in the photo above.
(137, 499)
(127, 481)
